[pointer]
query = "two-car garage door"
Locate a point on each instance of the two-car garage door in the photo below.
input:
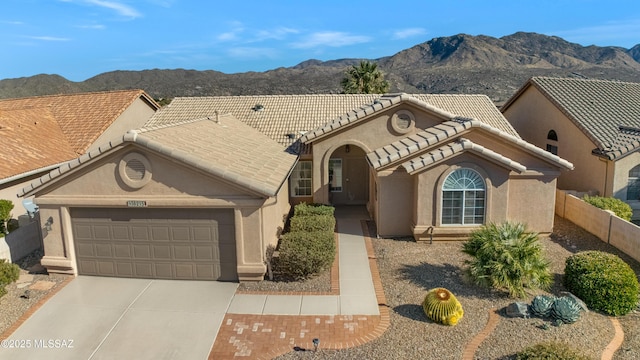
(196, 244)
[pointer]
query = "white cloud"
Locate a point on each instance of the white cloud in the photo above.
(332, 39)
(12, 22)
(47, 38)
(618, 33)
(252, 52)
(236, 29)
(118, 7)
(407, 33)
(275, 34)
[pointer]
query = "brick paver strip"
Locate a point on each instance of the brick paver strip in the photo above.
(474, 344)
(33, 309)
(268, 336)
(618, 338)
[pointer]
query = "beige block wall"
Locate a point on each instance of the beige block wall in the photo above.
(10, 193)
(603, 224)
(532, 115)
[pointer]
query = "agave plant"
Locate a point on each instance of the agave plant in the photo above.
(541, 305)
(565, 309)
(507, 257)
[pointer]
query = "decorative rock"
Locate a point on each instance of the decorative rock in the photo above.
(37, 269)
(577, 300)
(42, 285)
(25, 278)
(517, 309)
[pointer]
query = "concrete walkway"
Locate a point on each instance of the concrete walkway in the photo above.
(357, 294)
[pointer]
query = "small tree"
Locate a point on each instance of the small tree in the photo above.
(365, 78)
(507, 257)
(5, 214)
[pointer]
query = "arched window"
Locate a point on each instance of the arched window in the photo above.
(553, 147)
(463, 198)
(633, 184)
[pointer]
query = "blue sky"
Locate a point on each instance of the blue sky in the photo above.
(79, 39)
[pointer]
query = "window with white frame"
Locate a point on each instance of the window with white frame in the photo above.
(633, 184)
(463, 198)
(335, 175)
(301, 179)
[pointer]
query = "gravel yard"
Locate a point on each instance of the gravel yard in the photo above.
(38, 284)
(409, 269)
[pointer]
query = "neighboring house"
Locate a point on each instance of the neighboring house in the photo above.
(595, 124)
(203, 198)
(40, 133)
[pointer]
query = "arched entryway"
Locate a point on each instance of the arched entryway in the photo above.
(348, 176)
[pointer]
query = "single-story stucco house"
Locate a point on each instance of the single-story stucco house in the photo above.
(41, 133)
(595, 124)
(200, 195)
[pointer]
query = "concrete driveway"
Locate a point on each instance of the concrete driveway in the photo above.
(114, 318)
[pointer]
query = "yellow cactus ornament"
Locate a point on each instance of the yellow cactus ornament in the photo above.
(441, 306)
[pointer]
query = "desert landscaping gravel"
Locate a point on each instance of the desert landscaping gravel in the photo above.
(409, 269)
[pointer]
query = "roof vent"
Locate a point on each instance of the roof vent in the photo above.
(291, 136)
(258, 107)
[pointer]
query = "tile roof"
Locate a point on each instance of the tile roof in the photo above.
(449, 107)
(46, 130)
(277, 116)
(447, 133)
(598, 107)
(251, 160)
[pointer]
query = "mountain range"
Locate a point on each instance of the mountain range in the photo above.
(463, 64)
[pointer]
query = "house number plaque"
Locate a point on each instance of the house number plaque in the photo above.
(136, 203)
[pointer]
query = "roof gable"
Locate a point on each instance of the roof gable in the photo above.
(599, 108)
(449, 107)
(223, 147)
(449, 133)
(48, 130)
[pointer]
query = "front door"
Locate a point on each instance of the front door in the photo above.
(348, 177)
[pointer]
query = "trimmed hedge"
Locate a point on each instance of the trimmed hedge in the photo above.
(303, 254)
(304, 209)
(312, 223)
(549, 351)
(619, 207)
(603, 281)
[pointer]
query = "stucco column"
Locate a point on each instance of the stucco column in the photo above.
(249, 252)
(57, 241)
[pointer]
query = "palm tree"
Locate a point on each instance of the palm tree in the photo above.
(364, 78)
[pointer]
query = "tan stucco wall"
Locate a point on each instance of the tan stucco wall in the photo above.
(429, 193)
(395, 203)
(172, 185)
(368, 135)
(10, 193)
(532, 201)
(621, 175)
(134, 117)
(533, 115)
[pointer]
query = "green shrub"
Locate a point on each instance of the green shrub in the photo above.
(303, 254)
(8, 272)
(619, 207)
(304, 209)
(603, 281)
(312, 223)
(3, 291)
(5, 214)
(550, 351)
(507, 257)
